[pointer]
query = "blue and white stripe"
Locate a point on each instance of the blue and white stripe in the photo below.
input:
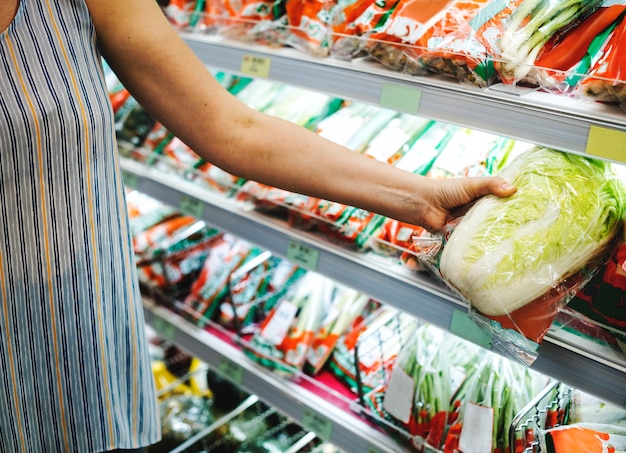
(74, 368)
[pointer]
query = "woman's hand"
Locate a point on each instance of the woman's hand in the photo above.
(446, 199)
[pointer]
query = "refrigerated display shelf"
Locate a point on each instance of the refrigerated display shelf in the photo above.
(547, 119)
(566, 358)
(312, 410)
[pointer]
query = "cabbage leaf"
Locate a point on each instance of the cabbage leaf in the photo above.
(507, 252)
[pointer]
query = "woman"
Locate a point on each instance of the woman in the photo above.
(73, 362)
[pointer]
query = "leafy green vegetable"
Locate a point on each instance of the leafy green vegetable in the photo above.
(529, 28)
(506, 252)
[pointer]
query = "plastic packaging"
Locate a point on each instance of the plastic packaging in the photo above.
(518, 260)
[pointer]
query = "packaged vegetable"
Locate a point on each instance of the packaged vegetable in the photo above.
(606, 80)
(486, 403)
(347, 306)
(286, 334)
(394, 42)
(587, 437)
(565, 59)
(211, 286)
(417, 395)
(529, 27)
(255, 288)
(366, 353)
(466, 53)
(517, 260)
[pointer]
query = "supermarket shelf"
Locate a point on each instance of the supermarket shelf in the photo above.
(345, 429)
(524, 114)
(570, 361)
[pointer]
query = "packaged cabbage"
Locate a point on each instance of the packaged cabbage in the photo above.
(507, 252)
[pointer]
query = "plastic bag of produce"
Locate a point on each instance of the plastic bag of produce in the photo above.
(518, 260)
(606, 80)
(394, 42)
(211, 286)
(286, 334)
(486, 403)
(528, 29)
(467, 52)
(417, 395)
(255, 288)
(366, 353)
(587, 437)
(565, 59)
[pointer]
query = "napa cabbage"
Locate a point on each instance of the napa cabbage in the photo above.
(506, 252)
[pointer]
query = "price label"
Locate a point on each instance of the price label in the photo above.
(318, 424)
(607, 143)
(256, 66)
(130, 179)
(191, 206)
(231, 370)
(164, 328)
(402, 98)
(303, 255)
(462, 326)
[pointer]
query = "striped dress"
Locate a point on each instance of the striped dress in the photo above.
(74, 369)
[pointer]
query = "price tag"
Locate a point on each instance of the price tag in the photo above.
(303, 255)
(318, 424)
(400, 97)
(462, 326)
(130, 179)
(477, 429)
(191, 206)
(231, 370)
(607, 143)
(256, 66)
(164, 328)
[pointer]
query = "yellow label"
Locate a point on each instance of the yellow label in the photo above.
(607, 143)
(256, 66)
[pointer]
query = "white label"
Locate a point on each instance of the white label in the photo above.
(278, 326)
(477, 429)
(399, 395)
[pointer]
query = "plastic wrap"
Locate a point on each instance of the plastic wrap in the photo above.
(393, 42)
(467, 52)
(518, 260)
(565, 59)
(606, 80)
(416, 396)
(486, 403)
(529, 28)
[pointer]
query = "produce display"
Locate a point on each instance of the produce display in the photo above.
(518, 260)
(560, 240)
(572, 47)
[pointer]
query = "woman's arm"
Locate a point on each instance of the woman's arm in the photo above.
(166, 77)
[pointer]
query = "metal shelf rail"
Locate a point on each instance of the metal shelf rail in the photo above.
(542, 118)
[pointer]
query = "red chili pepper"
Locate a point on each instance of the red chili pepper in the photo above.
(452, 439)
(437, 428)
(571, 48)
